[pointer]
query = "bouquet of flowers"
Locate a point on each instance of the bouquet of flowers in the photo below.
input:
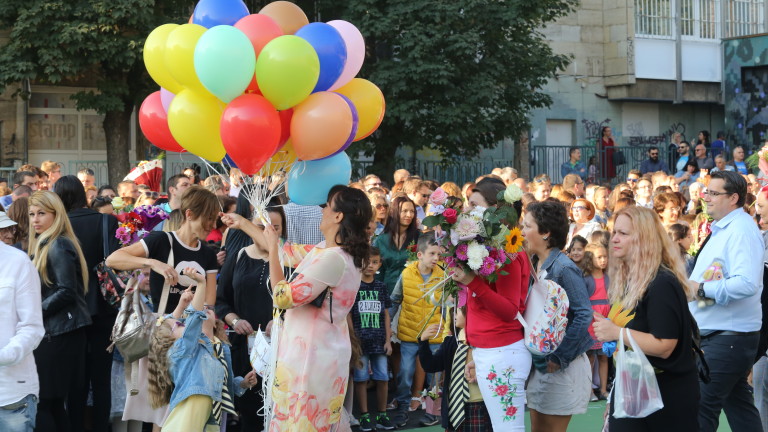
(759, 160)
(137, 224)
(479, 240)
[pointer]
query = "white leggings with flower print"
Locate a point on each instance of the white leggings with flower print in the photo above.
(501, 375)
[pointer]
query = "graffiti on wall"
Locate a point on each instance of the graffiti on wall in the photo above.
(593, 128)
(745, 81)
(638, 138)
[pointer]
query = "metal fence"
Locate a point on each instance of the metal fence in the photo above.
(549, 159)
(455, 171)
(100, 169)
(543, 159)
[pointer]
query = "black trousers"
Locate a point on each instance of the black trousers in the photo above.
(98, 377)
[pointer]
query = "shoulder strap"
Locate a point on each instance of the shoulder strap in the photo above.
(105, 235)
(167, 284)
(239, 254)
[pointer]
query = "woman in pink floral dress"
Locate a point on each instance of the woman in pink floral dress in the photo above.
(314, 349)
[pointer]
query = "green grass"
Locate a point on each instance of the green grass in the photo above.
(591, 421)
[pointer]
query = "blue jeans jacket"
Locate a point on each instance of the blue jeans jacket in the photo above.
(194, 368)
(577, 340)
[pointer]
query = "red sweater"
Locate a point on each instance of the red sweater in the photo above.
(492, 308)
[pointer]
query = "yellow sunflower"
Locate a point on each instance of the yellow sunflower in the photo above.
(514, 241)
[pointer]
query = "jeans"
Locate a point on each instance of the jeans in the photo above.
(760, 384)
(408, 354)
(21, 418)
(730, 359)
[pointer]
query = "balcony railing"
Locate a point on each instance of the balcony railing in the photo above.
(699, 19)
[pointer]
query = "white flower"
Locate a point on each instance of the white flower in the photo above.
(436, 209)
(476, 253)
(513, 193)
(477, 212)
(466, 228)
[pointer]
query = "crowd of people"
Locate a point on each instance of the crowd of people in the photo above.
(672, 261)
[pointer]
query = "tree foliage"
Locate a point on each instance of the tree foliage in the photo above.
(89, 43)
(457, 76)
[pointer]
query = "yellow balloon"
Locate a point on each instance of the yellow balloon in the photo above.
(283, 159)
(180, 55)
(369, 102)
(194, 120)
(154, 58)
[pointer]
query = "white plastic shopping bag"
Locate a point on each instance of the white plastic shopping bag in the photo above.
(636, 391)
(260, 351)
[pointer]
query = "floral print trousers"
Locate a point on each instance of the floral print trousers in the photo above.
(501, 375)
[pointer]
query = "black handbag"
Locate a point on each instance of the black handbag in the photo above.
(111, 283)
(618, 158)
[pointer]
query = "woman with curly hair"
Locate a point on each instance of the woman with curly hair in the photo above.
(560, 383)
(314, 346)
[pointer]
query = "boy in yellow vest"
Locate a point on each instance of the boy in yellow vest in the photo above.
(416, 313)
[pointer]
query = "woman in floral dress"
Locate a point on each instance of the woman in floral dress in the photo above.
(314, 349)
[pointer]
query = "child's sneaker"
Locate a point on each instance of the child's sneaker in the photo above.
(429, 420)
(383, 422)
(366, 424)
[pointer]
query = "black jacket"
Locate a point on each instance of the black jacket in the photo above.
(63, 300)
(441, 360)
(87, 225)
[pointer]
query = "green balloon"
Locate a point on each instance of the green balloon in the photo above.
(287, 71)
(224, 61)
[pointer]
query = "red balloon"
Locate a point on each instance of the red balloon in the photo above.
(153, 121)
(285, 122)
(250, 131)
(260, 29)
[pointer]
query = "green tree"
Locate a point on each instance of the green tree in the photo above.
(457, 76)
(91, 43)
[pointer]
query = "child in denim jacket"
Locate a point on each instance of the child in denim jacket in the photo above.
(190, 366)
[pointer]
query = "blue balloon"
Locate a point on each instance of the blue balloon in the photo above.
(229, 162)
(210, 13)
(331, 50)
(310, 181)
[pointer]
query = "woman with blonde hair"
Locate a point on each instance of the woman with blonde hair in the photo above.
(650, 297)
(60, 357)
(452, 189)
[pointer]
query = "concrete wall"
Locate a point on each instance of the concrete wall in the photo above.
(600, 35)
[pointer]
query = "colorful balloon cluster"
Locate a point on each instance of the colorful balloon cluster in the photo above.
(247, 86)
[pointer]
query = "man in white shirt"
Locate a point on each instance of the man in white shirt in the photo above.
(21, 329)
(728, 275)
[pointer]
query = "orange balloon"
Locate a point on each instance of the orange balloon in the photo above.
(287, 15)
(321, 125)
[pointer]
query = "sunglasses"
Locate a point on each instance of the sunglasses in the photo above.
(150, 194)
(633, 180)
(578, 208)
(103, 199)
(381, 206)
(426, 195)
(322, 206)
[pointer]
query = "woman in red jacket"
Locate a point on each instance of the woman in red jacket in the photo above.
(501, 359)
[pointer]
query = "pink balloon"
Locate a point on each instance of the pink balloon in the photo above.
(166, 97)
(355, 43)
